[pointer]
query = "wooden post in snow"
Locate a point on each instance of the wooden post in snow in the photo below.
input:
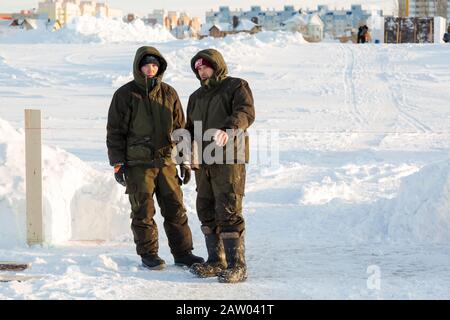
(33, 163)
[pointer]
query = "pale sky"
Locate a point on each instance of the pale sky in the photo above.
(198, 7)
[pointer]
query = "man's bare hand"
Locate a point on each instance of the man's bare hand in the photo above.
(221, 138)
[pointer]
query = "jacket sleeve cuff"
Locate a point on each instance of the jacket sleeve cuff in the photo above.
(118, 164)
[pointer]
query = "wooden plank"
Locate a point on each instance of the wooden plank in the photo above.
(33, 163)
(14, 266)
(18, 278)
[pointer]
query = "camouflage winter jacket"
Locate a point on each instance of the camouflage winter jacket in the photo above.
(222, 102)
(142, 116)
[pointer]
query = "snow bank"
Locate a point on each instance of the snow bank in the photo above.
(356, 184)
(421, 211)
(418, 214)
(80, 203)
(108, 30)
(91, 30)
(274, 38)
(103, 30)
(12, 186)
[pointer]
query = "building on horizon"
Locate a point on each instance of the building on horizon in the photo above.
(180, 24)
(424, 8)
(220, 30)
(336, 23)
(267, 19)
(339, 23)
(310, 26)
(65, 10)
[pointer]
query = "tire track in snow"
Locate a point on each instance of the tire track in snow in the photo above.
(398, 96)
(75, 59)
(13, 76)
(349, 85)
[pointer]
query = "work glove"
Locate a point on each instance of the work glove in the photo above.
(185, 173)
(119, 173)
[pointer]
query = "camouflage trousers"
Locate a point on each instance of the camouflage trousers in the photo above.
(220, 191)
(166, 185)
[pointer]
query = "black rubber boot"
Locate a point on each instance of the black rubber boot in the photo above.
(234, 246)
(216, 258)
(187, 260)
(153, 262)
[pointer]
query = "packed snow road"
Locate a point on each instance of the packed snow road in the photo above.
(355, 185)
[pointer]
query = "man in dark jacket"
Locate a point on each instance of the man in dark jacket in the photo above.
(142, 116)
(447, 35)
(363, 34)
(358, 37)
(222, 108)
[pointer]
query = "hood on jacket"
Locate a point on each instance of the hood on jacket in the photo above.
(217, 61)
(139, 77)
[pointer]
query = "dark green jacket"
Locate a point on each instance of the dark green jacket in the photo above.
(142, 116)
(221, 102)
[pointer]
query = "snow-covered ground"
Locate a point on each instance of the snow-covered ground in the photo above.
(361, 189)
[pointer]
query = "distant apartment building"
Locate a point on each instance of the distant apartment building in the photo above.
(88, 8)
(65, 10)
(428, 8)
(58, 10)
(171, 20)
(335, 22)
(157, 17)
(424, 8)
(220, 30)
(403, 8)
(340, 23)
(180, 24)
(310, 26)
(268, 19)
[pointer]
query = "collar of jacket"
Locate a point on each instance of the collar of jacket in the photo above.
(151, 83)
(212, 82)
